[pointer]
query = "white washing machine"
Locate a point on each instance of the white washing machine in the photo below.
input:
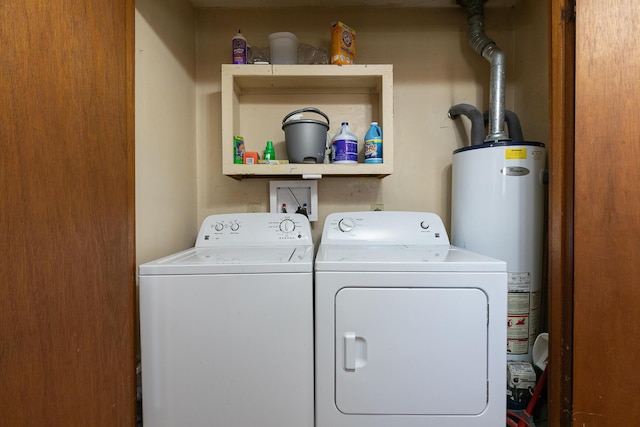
(227, 326)
(410, 331)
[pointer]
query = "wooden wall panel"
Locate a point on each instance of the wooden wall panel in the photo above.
(561, 153)
(607, 219)
(66, 180)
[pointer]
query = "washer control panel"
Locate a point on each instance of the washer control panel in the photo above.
(380, 227)
(254, 229)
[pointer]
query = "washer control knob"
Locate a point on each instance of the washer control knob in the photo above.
(345, 225)
(235, 226)
(219, 226)
(287, 226)
(424, 225)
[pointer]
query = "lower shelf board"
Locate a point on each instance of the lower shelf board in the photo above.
(311, 171)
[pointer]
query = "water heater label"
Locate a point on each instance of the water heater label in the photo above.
(518, 302)
(534, 316)
(537, 154)
(518, 327)
(517, 346)
(519, 281)
(515, 154)
(519, 312)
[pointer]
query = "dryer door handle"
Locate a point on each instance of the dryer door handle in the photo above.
(355, 351)
(349, 343)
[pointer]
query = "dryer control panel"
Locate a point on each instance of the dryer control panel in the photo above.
(381, 227)
(254, 229)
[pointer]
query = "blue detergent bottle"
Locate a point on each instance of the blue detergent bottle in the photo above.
(373, 144)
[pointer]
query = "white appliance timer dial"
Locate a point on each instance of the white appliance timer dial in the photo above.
(287, 226)
(235, 226)
(424, 225)
(219, 226)
(345, 225)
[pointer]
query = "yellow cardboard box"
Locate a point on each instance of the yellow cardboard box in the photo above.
(343, 44)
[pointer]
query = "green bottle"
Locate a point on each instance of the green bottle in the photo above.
(269, 152)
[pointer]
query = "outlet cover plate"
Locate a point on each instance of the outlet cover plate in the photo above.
(294, 194)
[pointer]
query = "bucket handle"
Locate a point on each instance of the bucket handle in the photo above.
(302, 110)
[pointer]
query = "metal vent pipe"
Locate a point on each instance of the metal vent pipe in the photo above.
(488, 50)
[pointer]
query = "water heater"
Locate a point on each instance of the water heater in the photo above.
(497, 209)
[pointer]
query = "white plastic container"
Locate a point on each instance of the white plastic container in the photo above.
(283, 48)
(344, 146)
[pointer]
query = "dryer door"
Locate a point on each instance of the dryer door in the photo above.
(419, 351)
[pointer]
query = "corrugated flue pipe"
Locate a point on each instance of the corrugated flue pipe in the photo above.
(488, 50)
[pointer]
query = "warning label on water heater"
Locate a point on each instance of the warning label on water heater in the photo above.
(519, 305)
(517, 334)
(518, 327)
(519, 282)
(515, 154)
(515, 346)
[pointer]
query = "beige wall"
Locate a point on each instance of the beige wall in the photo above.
(530, 70)
(178, 124)
(165, 127)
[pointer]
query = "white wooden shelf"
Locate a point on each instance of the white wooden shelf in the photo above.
(255, 99)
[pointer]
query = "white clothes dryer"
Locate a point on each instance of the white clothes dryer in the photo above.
(410, 331)
(227, 326)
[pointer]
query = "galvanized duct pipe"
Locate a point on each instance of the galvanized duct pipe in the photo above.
(487, 49)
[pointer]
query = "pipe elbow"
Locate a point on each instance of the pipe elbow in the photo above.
(478, 40)
(473, 114)
(494, 55)
(488, 49)
(513, 124)
(466, 109)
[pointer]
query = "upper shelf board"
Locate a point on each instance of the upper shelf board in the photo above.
(340, 3)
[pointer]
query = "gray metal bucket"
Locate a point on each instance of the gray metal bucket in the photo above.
(305, 139)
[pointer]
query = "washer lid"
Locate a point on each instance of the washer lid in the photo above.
(403, 258)
(221, 260)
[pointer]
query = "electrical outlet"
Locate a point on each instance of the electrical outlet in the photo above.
(254, 207)
(291, 195)
(377, 207)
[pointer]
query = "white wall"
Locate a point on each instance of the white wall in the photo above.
(166, 218)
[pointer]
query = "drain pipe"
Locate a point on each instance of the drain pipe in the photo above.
(488, 50)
